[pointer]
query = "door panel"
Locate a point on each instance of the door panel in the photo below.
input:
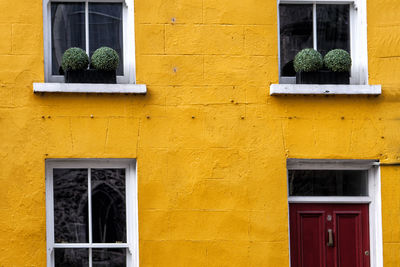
(310, 238)
(347, 232)
(329, 235)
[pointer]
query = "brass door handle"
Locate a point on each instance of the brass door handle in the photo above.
(330, 238)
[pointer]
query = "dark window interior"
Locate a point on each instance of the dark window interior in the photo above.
(71, 210)
(68, 30)
(296, 31)
(328, 183)
(105, 29)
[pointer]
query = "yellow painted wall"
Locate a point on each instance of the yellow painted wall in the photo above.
(211, 143)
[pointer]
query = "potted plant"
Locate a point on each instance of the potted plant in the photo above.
(338, 62)
(74, 63)
(104, 63)
(307, 63)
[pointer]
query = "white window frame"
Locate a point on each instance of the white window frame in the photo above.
(358, 38)
(373, 199)
(131, 207)
(128, 31)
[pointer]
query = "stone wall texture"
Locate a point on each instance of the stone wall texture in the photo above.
(210, 142)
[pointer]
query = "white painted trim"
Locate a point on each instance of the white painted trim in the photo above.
(94, 163)
(89, 88)
(90, 245)
(287, 80)
(132, 244)
(324, 89)
(329, 200)
(89, 195)
(47, 39)
(87, 34)
(129, 38)
(331, 164)
(133, 218)
(358, 42)
(49, 217)
(128, 31)
(375, 220)
(315, 37)
(374, 198)
(358, 37)
(315, 1)
(91, 1)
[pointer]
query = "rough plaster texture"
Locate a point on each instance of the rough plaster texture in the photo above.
(210, 142)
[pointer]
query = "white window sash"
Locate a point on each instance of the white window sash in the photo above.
(90, 202)
(316, 2)
(333, 199)
(92, 245)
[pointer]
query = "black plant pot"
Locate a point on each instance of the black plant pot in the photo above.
(90, 76)
(323, 77)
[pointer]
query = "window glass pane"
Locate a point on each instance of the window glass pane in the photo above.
(296, 33)
(107, 257)
(108, 205)
(67, 30)
(70, 205)
(67, 257)
(333, 30)
(105, 29)
(328, 183)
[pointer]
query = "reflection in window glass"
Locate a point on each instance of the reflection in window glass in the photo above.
(109, 257)
(70, 188)
(296, 33)
(328, 183)
(89, 208)
(108, 205)
(67, 257)
(333, 30)
(105, 29)
(67, 30)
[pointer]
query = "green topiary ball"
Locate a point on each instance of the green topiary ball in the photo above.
(308, 60)
(338, 60)
(105, 58)
(74, 58)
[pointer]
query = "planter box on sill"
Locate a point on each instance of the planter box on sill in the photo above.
(323, 77)
(90, 76)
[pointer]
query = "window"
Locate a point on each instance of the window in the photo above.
(328, 183)
(322, 25)
(91, 213)
(89, 25)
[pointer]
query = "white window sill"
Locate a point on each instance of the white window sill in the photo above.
(324, 89)
(89, 88)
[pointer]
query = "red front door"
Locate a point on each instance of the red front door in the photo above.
(329, 235)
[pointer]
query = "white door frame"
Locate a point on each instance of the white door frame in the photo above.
(373, 198)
